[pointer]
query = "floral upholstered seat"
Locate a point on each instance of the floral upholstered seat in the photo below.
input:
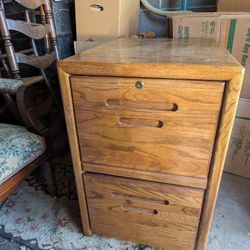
(10, 84)
(18, 148)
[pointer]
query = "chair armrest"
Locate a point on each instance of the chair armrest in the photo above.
(37, 110)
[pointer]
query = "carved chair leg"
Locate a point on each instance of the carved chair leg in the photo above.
(49, 177)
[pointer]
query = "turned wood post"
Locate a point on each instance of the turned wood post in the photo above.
(50, 20)
(47, 45)
(9, 49)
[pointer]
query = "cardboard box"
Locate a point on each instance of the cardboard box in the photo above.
(197, 26)
(238, 156)
(231, 31)
(233, 5)
(106, 18)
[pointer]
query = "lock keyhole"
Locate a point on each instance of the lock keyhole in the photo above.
(139, 84)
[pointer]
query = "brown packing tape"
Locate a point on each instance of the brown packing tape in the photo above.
(203, 14)
(233, 5)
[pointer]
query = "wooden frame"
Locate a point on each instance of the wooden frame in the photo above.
(74, 147)
(34, 31)
(11, 184)
(31, 118)
(232, 74)
(228, 113)
(44, 30)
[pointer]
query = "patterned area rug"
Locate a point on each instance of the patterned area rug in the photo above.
(36, 220)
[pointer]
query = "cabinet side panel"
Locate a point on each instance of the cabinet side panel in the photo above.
(228, 112)
(74, 147)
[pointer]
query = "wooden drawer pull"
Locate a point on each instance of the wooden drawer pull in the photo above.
(140, 210)
(141, 105)
(138, 198)
(139, 122)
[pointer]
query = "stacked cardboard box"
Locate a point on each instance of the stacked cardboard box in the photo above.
(104, 20)
(232, 32)
(238, 157)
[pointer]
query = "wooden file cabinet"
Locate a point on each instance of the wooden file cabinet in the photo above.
(149, 122)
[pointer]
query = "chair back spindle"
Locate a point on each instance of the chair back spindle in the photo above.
(47, 45)
(9, 48)
(35, 31)
(45, 30)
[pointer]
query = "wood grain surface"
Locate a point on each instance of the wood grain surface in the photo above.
(31, 4)
(74, 147)
(41, 62)
(158, 58)
(128, 131)
(141, 211)
(146, 134)
(32, 30)
(228, 113)
(147, 175)
(9, 186)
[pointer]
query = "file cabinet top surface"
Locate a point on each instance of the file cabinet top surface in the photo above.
(159, 58)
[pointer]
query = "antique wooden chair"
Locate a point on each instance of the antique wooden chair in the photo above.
(22, 149)
(45, 30)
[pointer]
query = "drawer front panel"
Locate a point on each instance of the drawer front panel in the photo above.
(141, 211)
(164, 126)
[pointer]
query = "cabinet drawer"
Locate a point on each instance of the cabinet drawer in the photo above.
(160, 215)
(167, 126)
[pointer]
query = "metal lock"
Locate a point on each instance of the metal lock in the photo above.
(139, 84)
